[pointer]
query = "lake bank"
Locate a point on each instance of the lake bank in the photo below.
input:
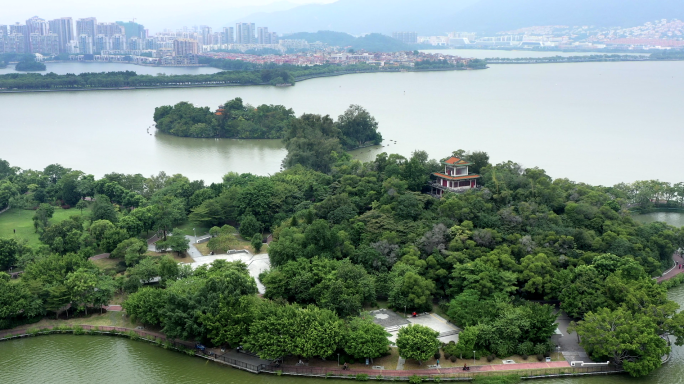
(209, 85)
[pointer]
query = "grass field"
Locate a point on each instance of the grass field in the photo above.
(21, 221)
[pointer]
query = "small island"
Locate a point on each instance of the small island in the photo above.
(235, 120)
(29, 64)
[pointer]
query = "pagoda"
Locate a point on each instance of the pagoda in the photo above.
(455, 178)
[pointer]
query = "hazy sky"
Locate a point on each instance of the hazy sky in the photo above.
(154, 14)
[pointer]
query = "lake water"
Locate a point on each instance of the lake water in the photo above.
(675, 219)
(514, 54)
(600, 123)
(76, 68)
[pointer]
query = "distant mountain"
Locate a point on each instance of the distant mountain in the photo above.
(357, 17)
(439, 16)
(372, 42)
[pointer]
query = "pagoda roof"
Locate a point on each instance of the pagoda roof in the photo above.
(465, 177)
(453, 160)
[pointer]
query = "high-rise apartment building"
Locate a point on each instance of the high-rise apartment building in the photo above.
(45, 44)
(228, 35)
(101, 43)
(16, 43)
(244, 33)
(263, 37)
(133, 29)
(110, 29)
(406, 37)
(185, 47)
(85, 44)
(37, 25)
(64, 29)
(87, 26)
(118, 42)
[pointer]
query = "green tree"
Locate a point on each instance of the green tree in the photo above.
(223, 240)
(358, 127)
(7, 192)
(417, 342)
(103, 209)
(81, 286)
(8, 253)
(249, 226)
(81, 205)
(131, 250)
(42, 216)
(131, 225)
(627, 339)
(257, 242)
(177, 242)
(17, 303)
(365, 339)
(146, 305)
(410, 290)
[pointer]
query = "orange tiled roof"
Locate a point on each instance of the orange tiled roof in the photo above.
(456, 161)
(465, 177)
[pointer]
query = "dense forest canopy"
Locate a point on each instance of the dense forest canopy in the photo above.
(346, 235)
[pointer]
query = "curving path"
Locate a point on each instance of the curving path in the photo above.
(679, 260)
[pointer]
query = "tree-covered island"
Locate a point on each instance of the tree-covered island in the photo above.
(347, 235)
(310, 138)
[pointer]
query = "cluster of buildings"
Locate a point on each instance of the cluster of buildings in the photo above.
(341, 57)
(86, 38)
(660, 34)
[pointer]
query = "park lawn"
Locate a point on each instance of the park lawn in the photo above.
(22, 221)
(106, 265)
(108, 319)
(241, 244)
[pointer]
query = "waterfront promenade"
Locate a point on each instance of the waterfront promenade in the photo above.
(254, 364)
(674, 271)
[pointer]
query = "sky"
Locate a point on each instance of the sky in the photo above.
(153, 14)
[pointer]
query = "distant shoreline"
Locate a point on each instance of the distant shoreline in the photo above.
(297, 80)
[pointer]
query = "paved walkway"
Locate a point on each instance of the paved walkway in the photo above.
(193, 251)
(677, 258)
(100, 256)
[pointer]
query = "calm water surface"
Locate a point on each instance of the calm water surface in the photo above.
(675, 219)
(76, 68)
(586, 121)
(514, 54)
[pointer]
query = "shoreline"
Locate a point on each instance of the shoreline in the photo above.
(297, 80)
(249, 364)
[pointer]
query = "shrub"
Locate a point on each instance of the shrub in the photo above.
(79, 331)
(438, 355)
(541, 348)
(453, 359)
(490, 358)
(415, 379)
(524, 357)
(279, 373)
(447, 356)
(540, 357)
(437, 380)
(526, 348)
(362, 377)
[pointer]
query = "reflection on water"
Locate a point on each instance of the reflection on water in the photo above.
(675, 219)
(513, 54)
(76, 68)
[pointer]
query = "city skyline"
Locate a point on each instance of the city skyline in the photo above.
(157, 15)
